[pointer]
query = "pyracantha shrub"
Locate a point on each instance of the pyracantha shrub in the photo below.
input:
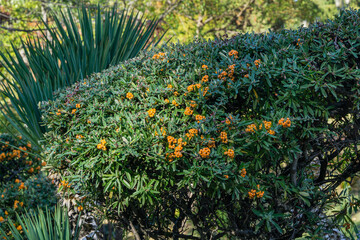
(21, 196)
(23, 187)
(247, 137)
(17, 159)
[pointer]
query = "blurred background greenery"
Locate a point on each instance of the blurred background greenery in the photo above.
(185, 19)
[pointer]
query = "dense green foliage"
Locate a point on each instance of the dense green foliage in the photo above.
(48, 225)
(197, 135)
(23, 187)
(21, 196)
(69, 54)
(17, 160)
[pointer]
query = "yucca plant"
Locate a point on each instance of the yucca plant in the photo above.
(73, 50)
(43, 225)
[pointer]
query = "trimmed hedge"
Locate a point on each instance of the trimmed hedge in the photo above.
(247, 137)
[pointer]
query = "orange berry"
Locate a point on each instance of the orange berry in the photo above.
(129, 95)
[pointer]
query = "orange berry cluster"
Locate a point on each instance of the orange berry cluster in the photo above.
(78, 105)
(222, 75)
(228, 120)
(199, 118)
(192, 87)
(175, 103)
(23, 149)
(129, 95)
(160, 55)
(152, 112)
(5, 146)
(284, 123)
(230, 153)
(188, 111)
(193, 104)
(205, 152)
(13, 154)
(204, 67)
(180, 144)
(267, 124)
(192, 132)
(223, 136)
(172, 141)
(231, 70)
(2, 156)
(16, 153)
(257, 63)
(65, 184)
(58, 112)
(101, 145)
(79, 136)
(271, 132)
(22, 186)
(205, 91)
(243, 172)
(73, 111)
(205, 78)
(260, 194)
(234, 53)
(253, 193)
(163, 132)
(211, 143)
(16, 202)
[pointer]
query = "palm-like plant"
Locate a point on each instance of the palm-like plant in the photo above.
(68, 55)
(43, 226)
